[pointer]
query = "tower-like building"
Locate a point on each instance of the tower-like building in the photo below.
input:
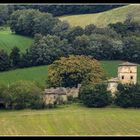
(127, 73)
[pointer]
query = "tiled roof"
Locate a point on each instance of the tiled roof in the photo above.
(127, 64)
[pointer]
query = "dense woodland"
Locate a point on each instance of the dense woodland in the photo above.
(54, 38)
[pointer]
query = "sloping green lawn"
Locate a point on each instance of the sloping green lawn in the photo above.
(38, 74)
(102, 19)
(71, 120)
(9, 40)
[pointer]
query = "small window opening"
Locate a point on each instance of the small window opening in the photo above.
(130, 71)
(122, 77)
(131, 77)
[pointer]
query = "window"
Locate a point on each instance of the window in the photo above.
(131, 77)
(130, 71)
(122, 77)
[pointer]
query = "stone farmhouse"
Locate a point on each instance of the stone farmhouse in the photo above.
(127, 73)
(60, 94)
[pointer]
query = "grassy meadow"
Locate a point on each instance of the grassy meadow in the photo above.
(73, 119)
(8, 40)
(39, 74)
(102, 19)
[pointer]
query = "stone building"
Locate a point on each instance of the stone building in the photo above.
(127, 73)
(60, 94)
(55, 96)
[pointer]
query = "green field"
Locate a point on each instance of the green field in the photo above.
(39, 74)
(9, 40)
(71, 119)
(104, 18)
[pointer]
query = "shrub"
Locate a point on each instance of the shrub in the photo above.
(128, 95)
(95, 95)
(23, 94)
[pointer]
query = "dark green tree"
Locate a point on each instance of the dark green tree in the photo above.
(128, 95)
(89, 29)
(15, 57)
(95, 95)
(4, 61)
(73, 32)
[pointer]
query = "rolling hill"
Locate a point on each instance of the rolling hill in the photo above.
(102, 19)
(9, 40)
(39, 74)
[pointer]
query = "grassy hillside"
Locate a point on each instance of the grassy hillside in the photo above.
(104, 18)
(39, 74)
(71, 120)
(9, 40)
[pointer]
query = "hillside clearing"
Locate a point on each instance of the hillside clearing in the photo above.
(104, 18)
(37, 74)
(9, 40)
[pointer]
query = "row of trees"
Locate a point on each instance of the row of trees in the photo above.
(99, 43)
(96, 95)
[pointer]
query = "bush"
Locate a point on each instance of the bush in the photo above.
(95, 95)
(23, 94)
(128, 95)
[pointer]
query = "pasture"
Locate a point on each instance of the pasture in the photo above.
(8, 40)
(73, 119)
(102, 19)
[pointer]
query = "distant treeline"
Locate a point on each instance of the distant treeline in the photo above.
(56, 10)
(59, 10)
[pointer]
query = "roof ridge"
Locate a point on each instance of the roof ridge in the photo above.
(127, 64)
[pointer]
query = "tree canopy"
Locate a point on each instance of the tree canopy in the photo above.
(73, 70)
